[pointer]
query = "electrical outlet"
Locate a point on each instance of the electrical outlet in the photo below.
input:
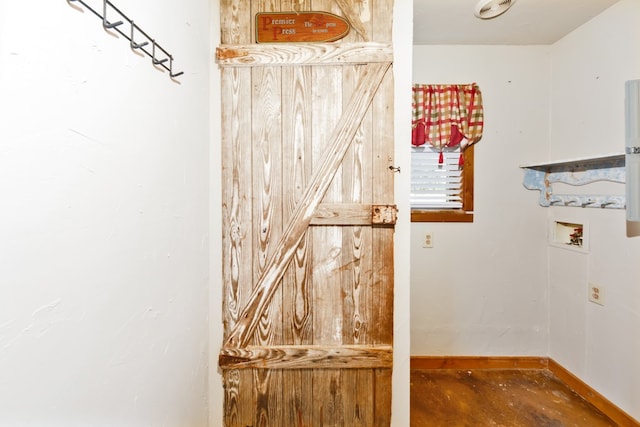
(428, 240)
(596, 293)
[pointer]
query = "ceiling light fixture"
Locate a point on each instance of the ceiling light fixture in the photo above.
(487, 9)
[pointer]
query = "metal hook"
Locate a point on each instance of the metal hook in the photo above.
(394, 169)
(587, 203)
(153, 56)
(171, 68)
(135, 45)
(605, 204)
(106, 24)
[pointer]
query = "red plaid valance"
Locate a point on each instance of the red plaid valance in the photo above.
(447, 115)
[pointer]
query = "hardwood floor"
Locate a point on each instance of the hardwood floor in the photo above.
(498, 397)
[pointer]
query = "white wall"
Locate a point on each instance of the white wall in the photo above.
(103, 218)
(598, 344)
(402, 51)
(481, 289)
(216, 391)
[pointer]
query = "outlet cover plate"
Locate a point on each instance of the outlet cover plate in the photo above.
(596, 294)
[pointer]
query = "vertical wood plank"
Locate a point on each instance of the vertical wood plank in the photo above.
(383, 262)
(236, 191)
(235, 21)
(265, 139)
(382, 398)
(382, 20)
(362, 403)
(358, 14)
(297, 169)
(350, 258)
(297, 297)
(327, 244)
(267, 83)
(267, 184)
(298, 294)
(382, 107)
(356, 264)
(236, 185)
(296, 172)
(237, 217)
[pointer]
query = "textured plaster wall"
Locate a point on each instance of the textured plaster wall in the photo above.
(103, 218)
(481, 289)
(599, 344)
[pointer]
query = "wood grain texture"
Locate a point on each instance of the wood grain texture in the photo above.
(235, 18)
(354, 214)
(236, 239)
(354, 18)
(237, 213)
(342, 214)
(307, 357)
(382, 403)
(382, 240)
(295, 306)
(263, 291)
(497, 397)
(382, 269)
(297, 388)
(303, 54)
(267, 162)
(479, 362)
(266, 140)
(327, 320)
(525, 363)
(356, 262)
(592, 396)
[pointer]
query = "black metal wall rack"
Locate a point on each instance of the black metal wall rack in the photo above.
(138, 39)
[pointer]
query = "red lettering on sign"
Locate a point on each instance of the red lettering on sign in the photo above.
(290, 27)
(276, 31)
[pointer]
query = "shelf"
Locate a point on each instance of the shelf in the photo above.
(580, 163)
(577, 172)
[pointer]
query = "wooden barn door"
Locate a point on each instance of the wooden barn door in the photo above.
(308, 219)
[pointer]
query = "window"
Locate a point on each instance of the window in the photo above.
(447, 122)
(441, 192)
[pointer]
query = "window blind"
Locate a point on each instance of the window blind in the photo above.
(435, 185)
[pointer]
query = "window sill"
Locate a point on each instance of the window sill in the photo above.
(441, 216)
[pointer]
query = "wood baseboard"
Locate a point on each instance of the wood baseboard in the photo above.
(592, 396)
(503, 362)
(473, 362)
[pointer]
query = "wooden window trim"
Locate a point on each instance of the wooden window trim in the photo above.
(453, 215)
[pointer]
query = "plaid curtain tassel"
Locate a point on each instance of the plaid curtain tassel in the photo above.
(441, 158)
(460, 162)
